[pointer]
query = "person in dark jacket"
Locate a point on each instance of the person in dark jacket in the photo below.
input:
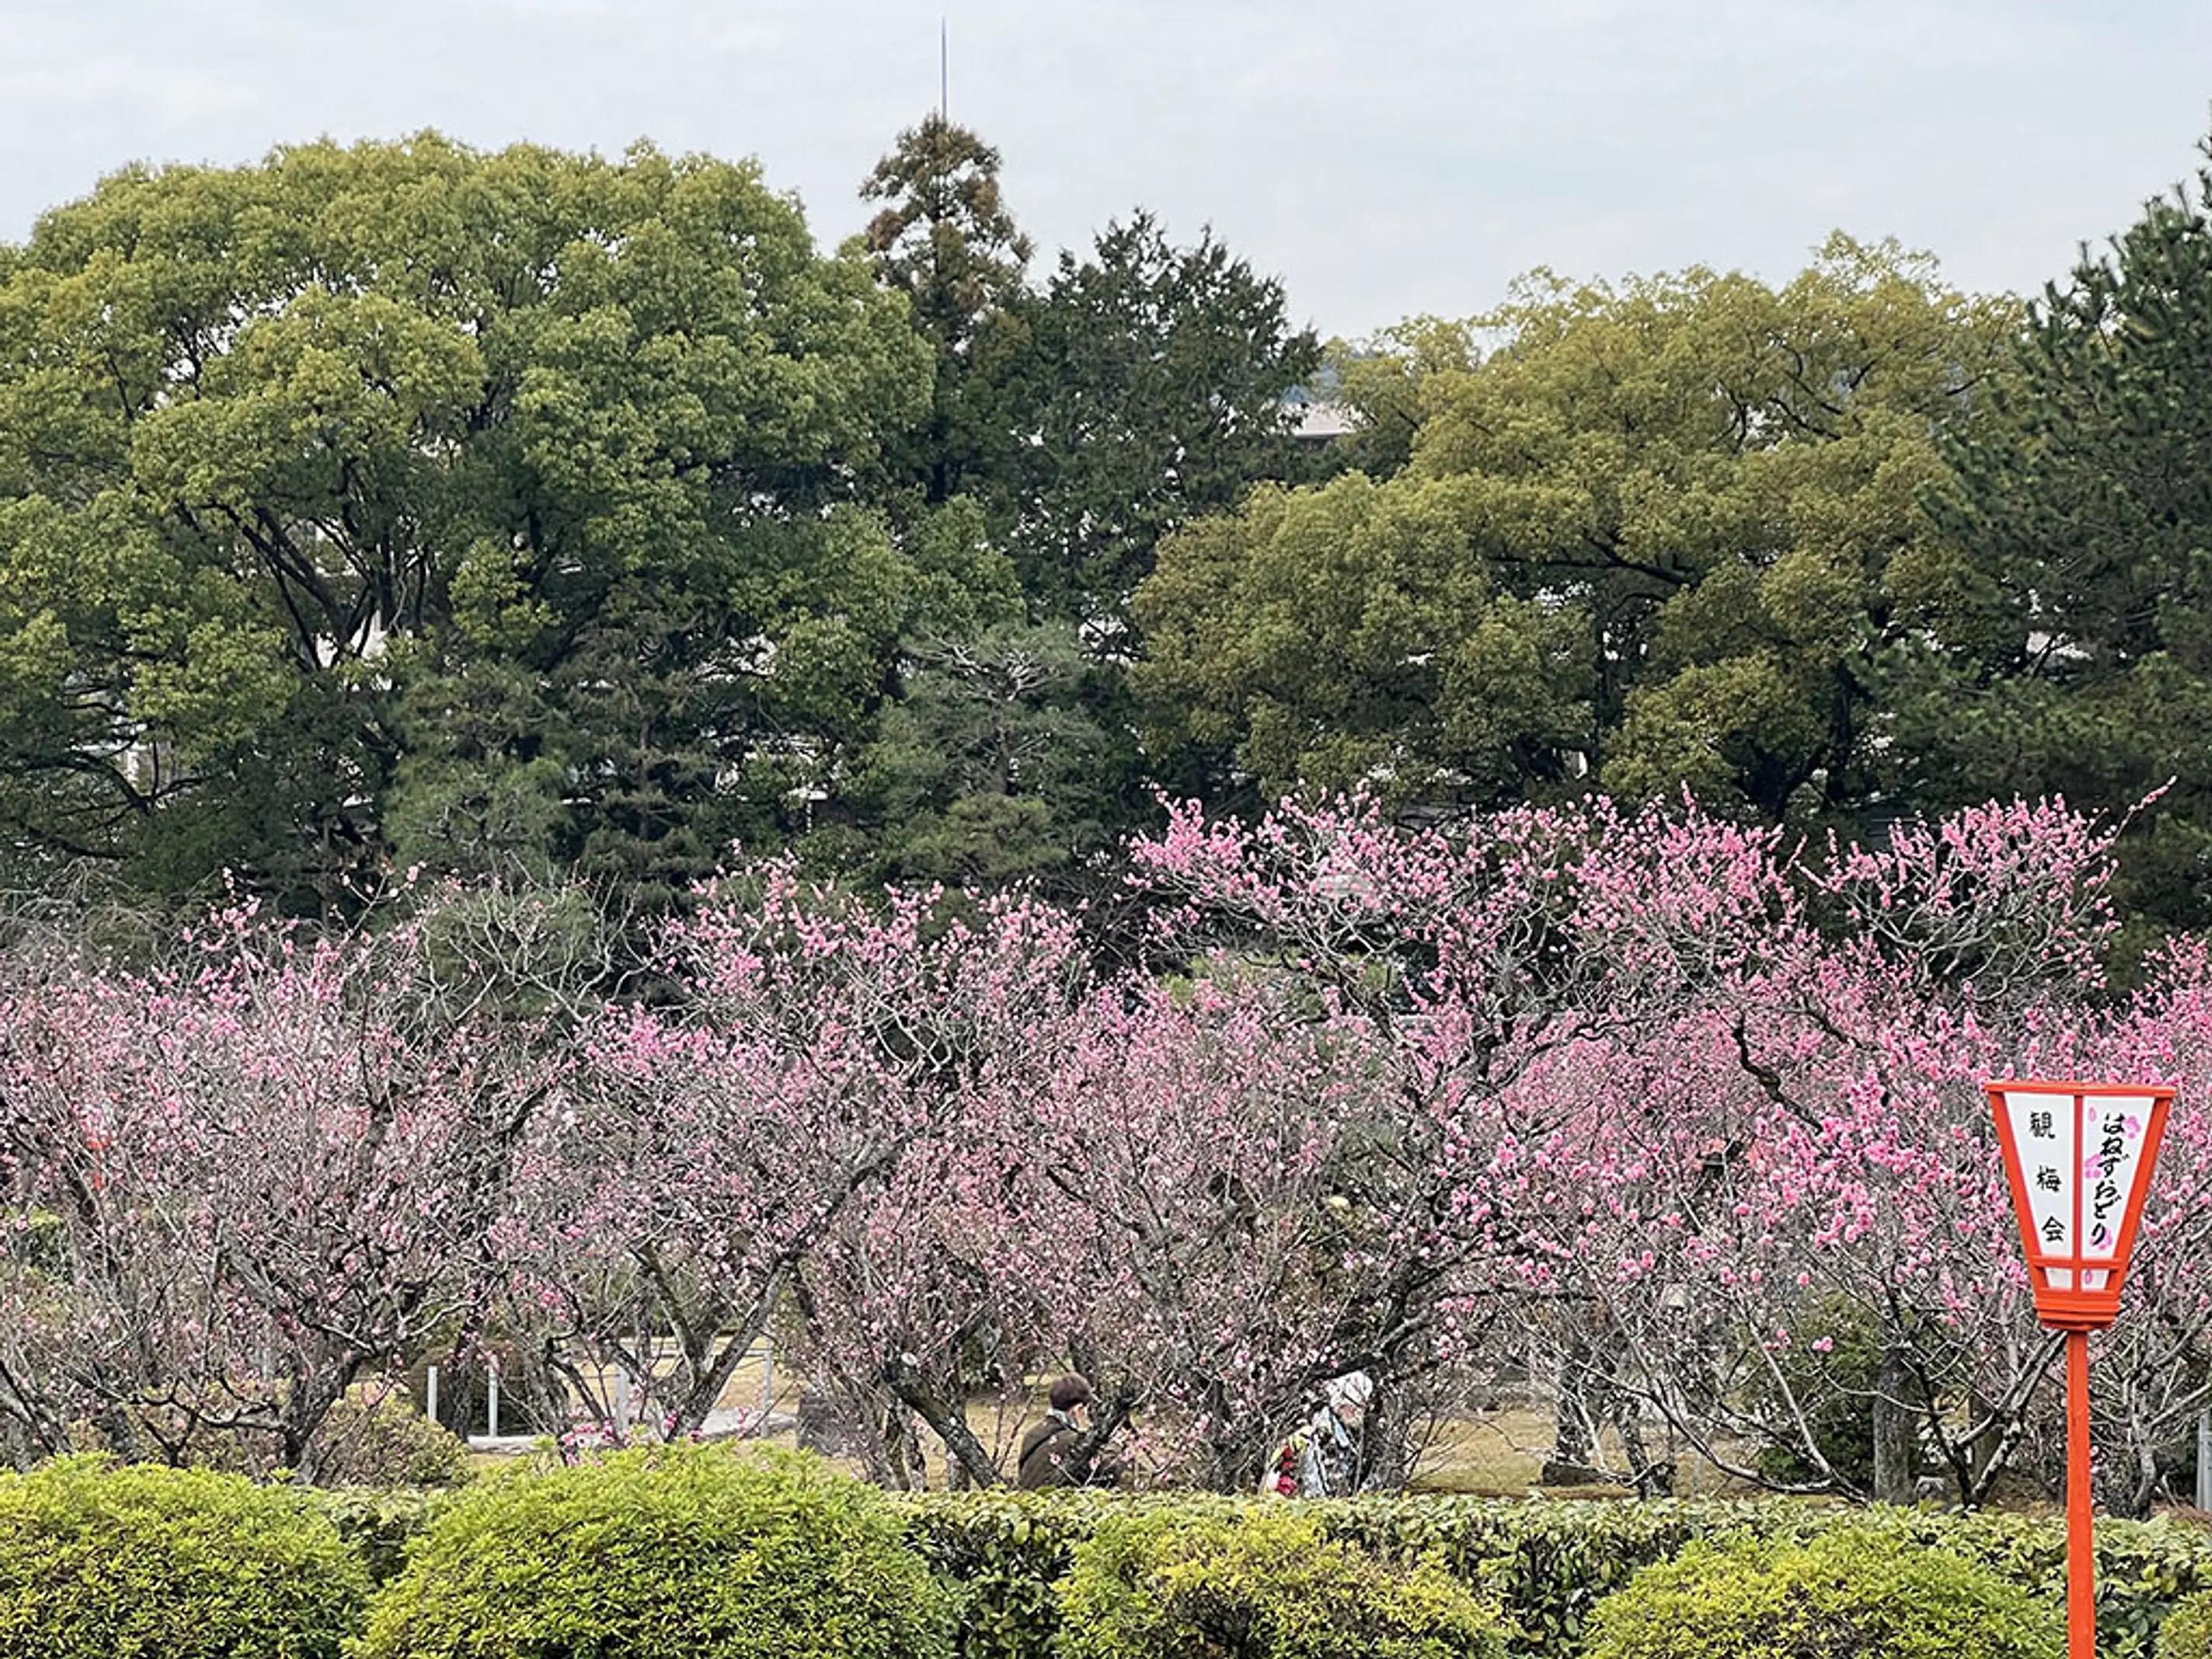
(1046, 1449)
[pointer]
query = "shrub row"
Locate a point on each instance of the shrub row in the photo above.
(1552, 1564)
(1547, 1562)
(696, 1551)
(684, 1553)
(98, 1562)
(1846, 1595)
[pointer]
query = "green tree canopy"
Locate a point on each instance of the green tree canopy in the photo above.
(1008, 756)
(1136, 389)
(2074, 654)
(1661, 534)
(1151, 393)
(405, 498)
(946, 240)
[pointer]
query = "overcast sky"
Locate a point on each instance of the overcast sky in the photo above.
(1383, 157)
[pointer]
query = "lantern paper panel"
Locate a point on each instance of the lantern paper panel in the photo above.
(2044, 1129)
(2114, 1133)
(2078, 1156)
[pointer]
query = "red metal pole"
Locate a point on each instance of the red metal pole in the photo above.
(2080, 1563)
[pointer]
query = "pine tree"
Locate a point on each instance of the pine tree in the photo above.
(945, 241)
(2077, 658)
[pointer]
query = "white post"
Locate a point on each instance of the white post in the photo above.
(430, 1393)
(2204, 1460)
(491, 1391)
(622, 1400)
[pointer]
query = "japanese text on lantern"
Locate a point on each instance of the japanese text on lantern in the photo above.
(2116, 1145)
(2043, 1128)
(2084, 1186)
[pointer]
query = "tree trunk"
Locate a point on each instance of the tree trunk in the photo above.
(1653, 1477)
(1895, 1427)
(1573, 1461)
(902, 1456)
(1238, 1454)
(1386, 1443)
(2133, 1493)
(820, 1424)
(1107, 1415)
(947, 1422)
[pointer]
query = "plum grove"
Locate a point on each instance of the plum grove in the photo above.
(1682, 1115)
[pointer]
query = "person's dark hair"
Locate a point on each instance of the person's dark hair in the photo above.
(1070, 1391)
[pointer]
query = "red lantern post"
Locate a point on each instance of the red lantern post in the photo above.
(2079, 1157)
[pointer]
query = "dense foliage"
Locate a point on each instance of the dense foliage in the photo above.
(1837, 1597)
(2072, 652)
(1550, 1566)
(400, 500)
(98, 1562)
(546, 515)
(2187, 1632)
(526, 513)
(1001, 1566)
(1660, 535)
(1262, 1584)
(682, 1554)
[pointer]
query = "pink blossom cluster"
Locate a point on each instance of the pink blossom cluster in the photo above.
(1675, 1123)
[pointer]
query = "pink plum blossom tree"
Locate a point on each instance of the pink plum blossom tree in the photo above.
(242, 1181)
(703, 1150)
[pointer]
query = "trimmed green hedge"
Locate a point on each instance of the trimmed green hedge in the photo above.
(1548, 1563)
(99, 1561)
(1850, 1594)
(2187, 1632)
(2143, 1567)
(157, 1552)
(680, 1552)
(1266, 1583)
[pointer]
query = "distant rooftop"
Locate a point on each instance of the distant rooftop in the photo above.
(1319, 424)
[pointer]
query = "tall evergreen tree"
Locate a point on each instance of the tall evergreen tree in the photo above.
(1008, 756)
(1140, 387)
(1156, 392)
(945, 239)
(2075, 655)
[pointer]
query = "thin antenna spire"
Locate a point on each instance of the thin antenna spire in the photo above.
(944, 70)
